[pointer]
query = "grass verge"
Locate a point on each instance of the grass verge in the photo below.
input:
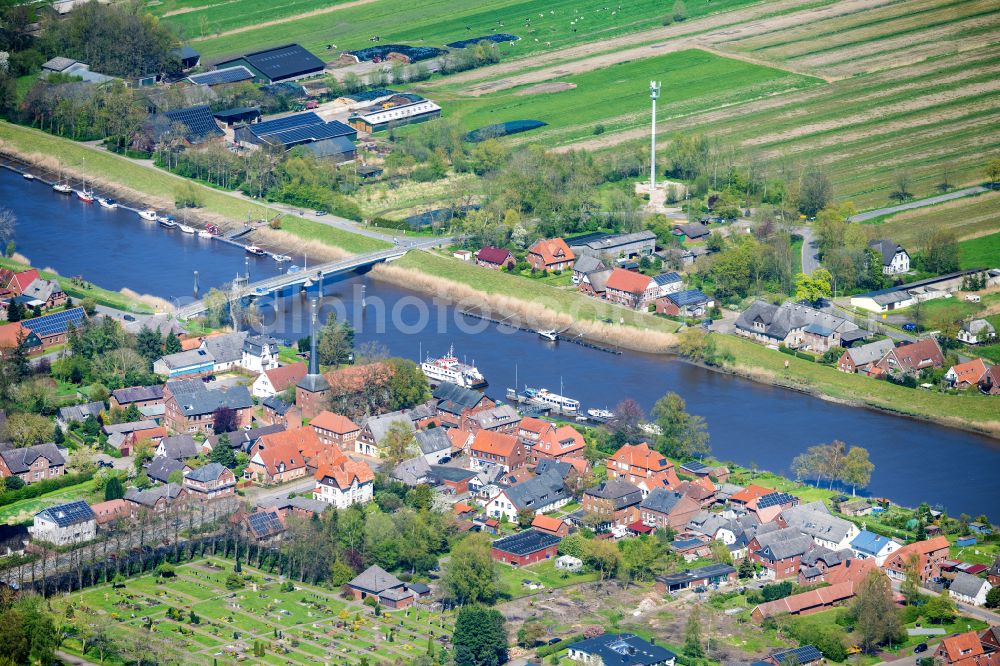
(111, 299)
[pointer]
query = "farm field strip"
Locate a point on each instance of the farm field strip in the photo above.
(969, 218)
(981, 251)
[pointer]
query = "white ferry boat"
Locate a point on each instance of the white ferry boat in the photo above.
(602, 414)
(450, 369)
(547, 398)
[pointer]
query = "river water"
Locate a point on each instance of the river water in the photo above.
(748, 422)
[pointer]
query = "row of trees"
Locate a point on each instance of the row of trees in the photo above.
(835, 462)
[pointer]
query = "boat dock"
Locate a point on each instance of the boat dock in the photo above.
(508, 321)
(536, 407)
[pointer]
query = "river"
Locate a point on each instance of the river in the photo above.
(748, 422)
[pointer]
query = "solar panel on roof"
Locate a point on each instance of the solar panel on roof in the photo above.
(51, 324)
(774, 499)
(265, 522)
(287, 122)
(311, 133)
(800, 655)
(227, 75)
(695, 466)
(71, 513)
(198, 119)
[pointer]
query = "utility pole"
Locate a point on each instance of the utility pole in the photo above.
(654, 93)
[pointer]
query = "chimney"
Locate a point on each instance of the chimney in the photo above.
(313, 357)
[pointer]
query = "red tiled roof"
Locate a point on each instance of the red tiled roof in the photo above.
(918, 355)
(824, 596)
(273, 453)
(552, 251)
(560, 441)
(344, 472)
(20, 281)
(493, 255)
(303, 440)
(547, 523)
(461, 507)
(335, 423)
(497, 443)
(12, 334)
(961, 646)
(627, 281)
(751, 493)
(459, 438)
(285, 376)
(534, 425)
(970, 372)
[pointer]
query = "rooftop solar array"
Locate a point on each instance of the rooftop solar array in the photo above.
(689, 297)
(68, 514)
(198, 119)
(53, 324)
(800, 655)
(525, 543)
(265, 523)
(285, 62)
(219, 76)
(774, 499)
(286, 123)
(297, 135)
(695, 465)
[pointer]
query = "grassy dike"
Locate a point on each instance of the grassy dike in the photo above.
(147, 183)
(101, 296)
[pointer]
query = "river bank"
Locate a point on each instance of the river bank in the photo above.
(537, 304)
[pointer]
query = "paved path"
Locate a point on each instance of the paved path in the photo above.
(73, 660)
(810, 255)
(919, 203)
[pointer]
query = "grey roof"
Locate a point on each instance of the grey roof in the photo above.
(302, 503)
(445, 473)
(334, 146)
(817, 522)
(207, 473)
(161, 468)
(625, 649)
(186, 359)
(826, 555)
(81, 412)
(245, 439)
(588, 263)
(179, 447)
(375, 579)
(783, 543)
(132, 426)
(70, 513)
(256, 344)
(496, 417)
(967, 584)
(551, 465)
(780, 320)
(610, 243)
(276, 405)
(313, 383)
(19, 461)
(150, 496)
(58, 64)
(138, 394)
(977, 326)
(621, 491)
(455, 399)
(704, 522)
(538, 491)
(412, 472)
(116, 440)
(693, 230)
(197, 399)
(41, 289)
(434, 440)
(599, 279)
(661, 500)
(887, 249)
(379, 425)
(226, 348)
(871, 352)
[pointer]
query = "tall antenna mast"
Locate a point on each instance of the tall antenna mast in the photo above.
(654, 93)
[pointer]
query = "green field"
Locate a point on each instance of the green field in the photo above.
(617, 97)
(982, 252)
(553, 24)
(307, 617)
(21, 512)
(545, 573)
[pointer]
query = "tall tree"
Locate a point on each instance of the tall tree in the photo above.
(336, 342)
(681, 434)
(857, 469)
(224, 419)
(114, 489)
(399, 444)
(692, 634)
(815, 191)
(471, 575)
(814, 287)
(222, 452)
(480, 637)
(942, 253)
(875, 612)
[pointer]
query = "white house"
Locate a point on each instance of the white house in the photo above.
(344, 483)
(871, 545)
(568, 563)
(226, 350)
(815, 521)
(976, 331)
(73, 522)
(895, 259)
(620, 649)
(969, 589)
(260, 353)
(541, 494)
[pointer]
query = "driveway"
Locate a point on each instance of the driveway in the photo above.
(919, 203)
(264, 496)
(810, 255)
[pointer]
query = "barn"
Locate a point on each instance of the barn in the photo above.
(525, 547)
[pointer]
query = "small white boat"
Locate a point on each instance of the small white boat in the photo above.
(282, 257)
(294, 269)
(605, 414)
(551, 335)
(107, 203)
(256, 251)
(28, 176)
(86, 196)
(185, 228)
(167, 221)
(204, 233)
(148, 214)
(62, 188)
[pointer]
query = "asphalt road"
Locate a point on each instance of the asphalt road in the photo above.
(810, 254)
(919, 203)
(264, 496)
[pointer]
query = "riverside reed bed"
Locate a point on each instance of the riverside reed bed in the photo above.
(220, 28)
(298, 626)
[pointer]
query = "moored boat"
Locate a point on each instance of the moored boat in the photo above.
(85, 195)
(148, 214)
(204, 233)
(62, 188)
(546, 398)
(449, 369)
(28, 176)
(107, 203)
(186, 229)
(255, 250)
(602, 414)
(282, 257)
(551, 335)
(167, 221)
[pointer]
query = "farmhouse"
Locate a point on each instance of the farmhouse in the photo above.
(912, 358)
(73, 522)
(495, 258)
(525, 547)
(633, 290)
(793, 325)
(52, 329)
(324, 139)
(550, 254)
(32, 463)
(283, 63)
(895, 259)
(614, 246)
(862, 359)
(976, 332)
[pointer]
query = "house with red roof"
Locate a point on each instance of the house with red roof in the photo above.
(928, 555)
(550, 525)
(531, 429)
(550, 254)
(496, 258)
(912, 358)
(490, 448)
(558, 443)
(633, 290)
(805, 603)
(342, 482)
(967, 649)
(276, 458)
(643, 466)
(749, 494)
(276, 380)
(335, 430)
(967, 374)
(18, 282)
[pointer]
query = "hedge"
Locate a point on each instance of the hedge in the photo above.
(33, 490)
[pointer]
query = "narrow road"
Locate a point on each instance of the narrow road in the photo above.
(919, 203)
(810, 255)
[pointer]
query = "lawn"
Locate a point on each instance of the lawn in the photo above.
(981, 252)
(558, 23)
(308, 617)
(111, 299)
(617, 97)
(146, 179)
(541, 572)
(20, 512)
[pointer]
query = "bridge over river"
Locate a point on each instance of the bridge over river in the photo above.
(313, 274)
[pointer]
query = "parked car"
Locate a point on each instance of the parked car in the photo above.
(320, 213)
(922, 647)
(910, 327)
(128, 317)
(104, 463)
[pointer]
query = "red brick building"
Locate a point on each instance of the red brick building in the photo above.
(335, 430)
(525, 547)
(496, 448)
(551, 254)
(633, 290)
(928, 555)
(495, 258)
